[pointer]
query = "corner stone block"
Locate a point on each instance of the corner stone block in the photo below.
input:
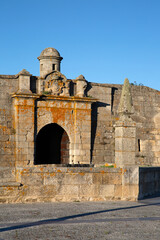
(125, 144)
(130, 175)
(130, 192)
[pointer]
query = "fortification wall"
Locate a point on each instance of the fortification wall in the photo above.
(30, 183)
(146, 103)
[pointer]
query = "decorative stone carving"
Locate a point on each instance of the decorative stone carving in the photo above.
(66, 89)
(56, 84)
(81, 85)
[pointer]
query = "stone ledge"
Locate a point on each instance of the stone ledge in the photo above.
(8, 76)
(108, 85)
(53, 97)
(10, 184)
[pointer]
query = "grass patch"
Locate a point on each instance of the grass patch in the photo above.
(109, 166)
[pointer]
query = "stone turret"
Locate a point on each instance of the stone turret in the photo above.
(81, 85)
(50, 60)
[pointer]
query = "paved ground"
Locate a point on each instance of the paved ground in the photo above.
(81, 220)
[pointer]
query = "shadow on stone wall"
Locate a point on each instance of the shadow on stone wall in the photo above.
(71, 88)
(89, 86)
(93, 126)
(112, 98)
(149, 182)
(35, 129)
(33, 84)
(94, 117)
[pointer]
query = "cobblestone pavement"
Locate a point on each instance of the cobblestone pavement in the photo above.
(81, 220)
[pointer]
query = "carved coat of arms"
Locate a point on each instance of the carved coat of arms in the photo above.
(57, 84)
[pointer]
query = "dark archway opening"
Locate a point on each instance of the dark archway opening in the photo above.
(52, 145)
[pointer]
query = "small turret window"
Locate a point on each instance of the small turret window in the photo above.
(53, 67)
(41, 67)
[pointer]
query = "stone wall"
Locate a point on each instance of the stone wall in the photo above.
(56, 183)
(146, 102)
(8, 84)
(42, 184)
(104, 115)
(103, 143)
(86, 122)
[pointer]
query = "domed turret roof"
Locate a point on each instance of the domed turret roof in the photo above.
(50, 52)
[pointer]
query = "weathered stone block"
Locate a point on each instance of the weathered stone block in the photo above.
(111, 178)
(68, 190)
(124, 158)
(97, 178)
(37, 192)
(118, 191)
(130, 192)
(89, 191)
(130, 175)
(78, 178)
(107, 190)
(32, 179)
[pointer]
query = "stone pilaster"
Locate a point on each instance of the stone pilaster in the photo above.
(125, 130)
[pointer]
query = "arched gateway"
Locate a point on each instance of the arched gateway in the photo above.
(52, 145)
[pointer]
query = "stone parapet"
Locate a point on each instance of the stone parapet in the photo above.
(43, 183)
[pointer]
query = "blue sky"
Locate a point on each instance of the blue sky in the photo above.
(105, 40)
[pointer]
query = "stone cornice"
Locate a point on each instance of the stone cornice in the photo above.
(50, 97)
(50, 57)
